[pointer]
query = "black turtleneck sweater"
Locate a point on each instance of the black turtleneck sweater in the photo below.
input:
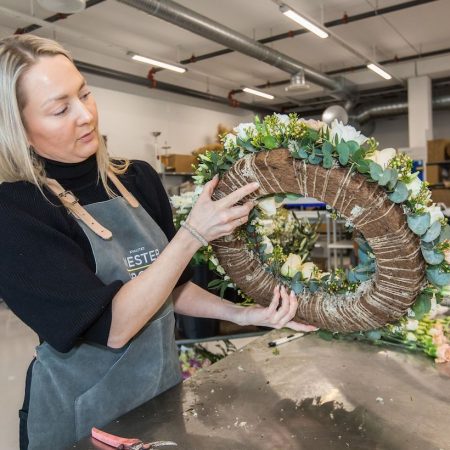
(47, 269)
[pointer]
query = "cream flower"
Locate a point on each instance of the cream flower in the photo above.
(269, 246)
(345, 133)
(268, 206)
(415, 185)
(308, 270)
(229, 141)
(316, 125)
(382, 157)
(435, 213)
(245, 130)
(292, 265)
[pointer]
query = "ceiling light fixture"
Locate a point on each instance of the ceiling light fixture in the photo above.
(259, 93)
(63, 6)
(305, 23)
(378, 70)
(155, 62)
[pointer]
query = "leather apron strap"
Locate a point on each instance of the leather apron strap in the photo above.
(71, 202)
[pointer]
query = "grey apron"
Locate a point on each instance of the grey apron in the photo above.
(91, 385)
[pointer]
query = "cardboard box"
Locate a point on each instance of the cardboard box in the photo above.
(178, 163)
(441, 195)
(438, 150)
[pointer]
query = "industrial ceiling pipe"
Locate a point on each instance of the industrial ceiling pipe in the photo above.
(392, 109)
(190, 20)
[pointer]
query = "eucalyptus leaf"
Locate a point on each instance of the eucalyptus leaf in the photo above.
(327, 147)
(313, 286)
(353, 147)
(419, 223)
(363, 244)
(291, 196)
(432, 257)
(366, 276)
(445, 233)
(400, 193)
(375, 170)
(326, 335)
(422, 305)
(437, 277)
(373, 335)
(303, 152)
(432, 233)
(327, 162)
(363, 166)
(385, 177)
(297, 287)
(343, 152)
(279, 198)
(313, 159)
(363, 257)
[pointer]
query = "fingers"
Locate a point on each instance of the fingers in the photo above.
(272, 308)
(241, 212)
(210, 186)
(298, 326)
(281, 314)
(235, 196)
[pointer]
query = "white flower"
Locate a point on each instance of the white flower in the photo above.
(382, 157)
(229, 141)
(245, 130)
(267, 226)
(345, 133)
(412, 324)
(308, 269)
(411, 336)
(268, 206)
(184, 202)
(415, 185)
(282, 118)
(269, 246)
(316, 125)
(292, 265)
(435, 213)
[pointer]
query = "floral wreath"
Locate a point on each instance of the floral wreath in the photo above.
(404, 248)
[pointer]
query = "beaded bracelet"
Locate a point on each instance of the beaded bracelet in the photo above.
(195, 233)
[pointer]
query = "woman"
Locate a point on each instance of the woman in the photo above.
(77, 229)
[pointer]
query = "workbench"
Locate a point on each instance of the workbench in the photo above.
(307, 394)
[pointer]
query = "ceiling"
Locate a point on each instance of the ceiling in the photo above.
(410, 38)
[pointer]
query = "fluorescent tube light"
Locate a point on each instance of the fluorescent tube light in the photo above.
(255, 92)
(155, 62)
(378, 70)
(305, 23)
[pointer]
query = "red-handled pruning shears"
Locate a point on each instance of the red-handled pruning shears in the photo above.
(127, 444)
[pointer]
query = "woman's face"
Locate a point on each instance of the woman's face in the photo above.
(60, 114)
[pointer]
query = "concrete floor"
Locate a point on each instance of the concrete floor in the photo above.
(17, 343)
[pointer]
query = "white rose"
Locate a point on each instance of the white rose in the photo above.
(308, 270)
(245, 130)
(282, 118)
(214, 260)
(292, 265)
(412, 324)
(268, 206)
(435, 213)
(345, 133)
(415, 185)
(267, 226)
(229, 141)
(382, 157)
(316, 125)
(269, 246)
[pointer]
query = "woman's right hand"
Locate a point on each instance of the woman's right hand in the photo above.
(217, 218)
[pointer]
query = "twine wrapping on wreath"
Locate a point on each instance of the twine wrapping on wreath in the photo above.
(399, 277)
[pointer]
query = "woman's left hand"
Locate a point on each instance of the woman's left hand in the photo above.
(278, 314)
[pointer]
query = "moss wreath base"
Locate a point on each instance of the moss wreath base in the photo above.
(400, 273)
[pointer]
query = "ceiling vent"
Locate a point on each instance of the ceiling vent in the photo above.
(298, 83)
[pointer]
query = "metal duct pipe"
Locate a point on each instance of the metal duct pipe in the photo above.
(188, 19)
(393, 109)
(141, 81)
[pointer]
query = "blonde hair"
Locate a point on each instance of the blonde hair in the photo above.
(18, 161)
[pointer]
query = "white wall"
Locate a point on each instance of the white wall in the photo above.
(128, 115)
